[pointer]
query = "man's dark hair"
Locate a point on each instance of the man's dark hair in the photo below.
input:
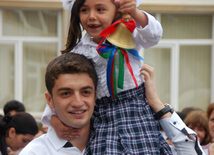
(13, 105)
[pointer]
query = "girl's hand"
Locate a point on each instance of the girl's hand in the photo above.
(127, 6)
(63, 131)
(151, 93)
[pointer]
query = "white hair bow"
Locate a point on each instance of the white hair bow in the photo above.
(138, 2)
(68, 4)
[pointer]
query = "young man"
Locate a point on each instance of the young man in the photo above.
(71, 82)
(71, 93)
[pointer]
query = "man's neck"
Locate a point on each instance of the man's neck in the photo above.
(81, 141)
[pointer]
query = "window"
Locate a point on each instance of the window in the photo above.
(183, 60)
(29, 39)
(7, 72)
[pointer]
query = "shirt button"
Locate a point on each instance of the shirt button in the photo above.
(186, 140)
(174, 123)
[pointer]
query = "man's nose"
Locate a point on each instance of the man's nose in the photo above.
(77, 100)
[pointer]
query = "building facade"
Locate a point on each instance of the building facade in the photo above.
(32, 32)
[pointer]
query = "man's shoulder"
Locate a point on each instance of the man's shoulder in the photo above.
(35, 146)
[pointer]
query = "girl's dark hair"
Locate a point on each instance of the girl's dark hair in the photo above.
(23, 122)
(75, 32)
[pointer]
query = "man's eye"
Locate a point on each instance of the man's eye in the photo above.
(65, 93)
(100, 9)
(86, 92)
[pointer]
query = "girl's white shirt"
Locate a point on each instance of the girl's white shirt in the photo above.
(144, 38)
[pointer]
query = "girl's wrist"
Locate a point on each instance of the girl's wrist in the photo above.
(156, 104)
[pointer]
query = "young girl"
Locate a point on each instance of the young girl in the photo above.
(16, 131)
(124, 125)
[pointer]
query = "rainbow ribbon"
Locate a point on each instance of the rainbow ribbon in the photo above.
(109, 51)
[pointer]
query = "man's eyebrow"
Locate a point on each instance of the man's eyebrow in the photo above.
(64, 88)
(87, 87)
(69, 89)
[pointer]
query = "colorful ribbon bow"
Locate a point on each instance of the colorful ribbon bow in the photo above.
(109, 51)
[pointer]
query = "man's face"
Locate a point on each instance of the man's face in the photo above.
(73, 98)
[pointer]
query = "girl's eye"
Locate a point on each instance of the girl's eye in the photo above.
(83, 10)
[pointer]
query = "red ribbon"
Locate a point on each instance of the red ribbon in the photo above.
(130, 25)
(129, 66)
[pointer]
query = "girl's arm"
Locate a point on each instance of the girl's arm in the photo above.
(184, 139)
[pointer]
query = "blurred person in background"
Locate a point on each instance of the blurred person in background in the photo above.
(13, 106)
(187, 110)
(197, 120)
(210, 115)
(16, 131)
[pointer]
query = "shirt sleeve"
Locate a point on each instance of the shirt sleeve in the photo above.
(178, 133)
(149, 35)
(46, 117)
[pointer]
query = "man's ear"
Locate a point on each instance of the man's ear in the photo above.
(49, 100)
(11, 132)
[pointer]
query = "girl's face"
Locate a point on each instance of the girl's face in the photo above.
(200, 131)
(17, 141)
(96, 15)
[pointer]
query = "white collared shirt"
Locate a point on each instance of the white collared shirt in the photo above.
(178, 132)
(49, 144)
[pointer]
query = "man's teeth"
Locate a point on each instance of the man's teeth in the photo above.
(77, 112)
